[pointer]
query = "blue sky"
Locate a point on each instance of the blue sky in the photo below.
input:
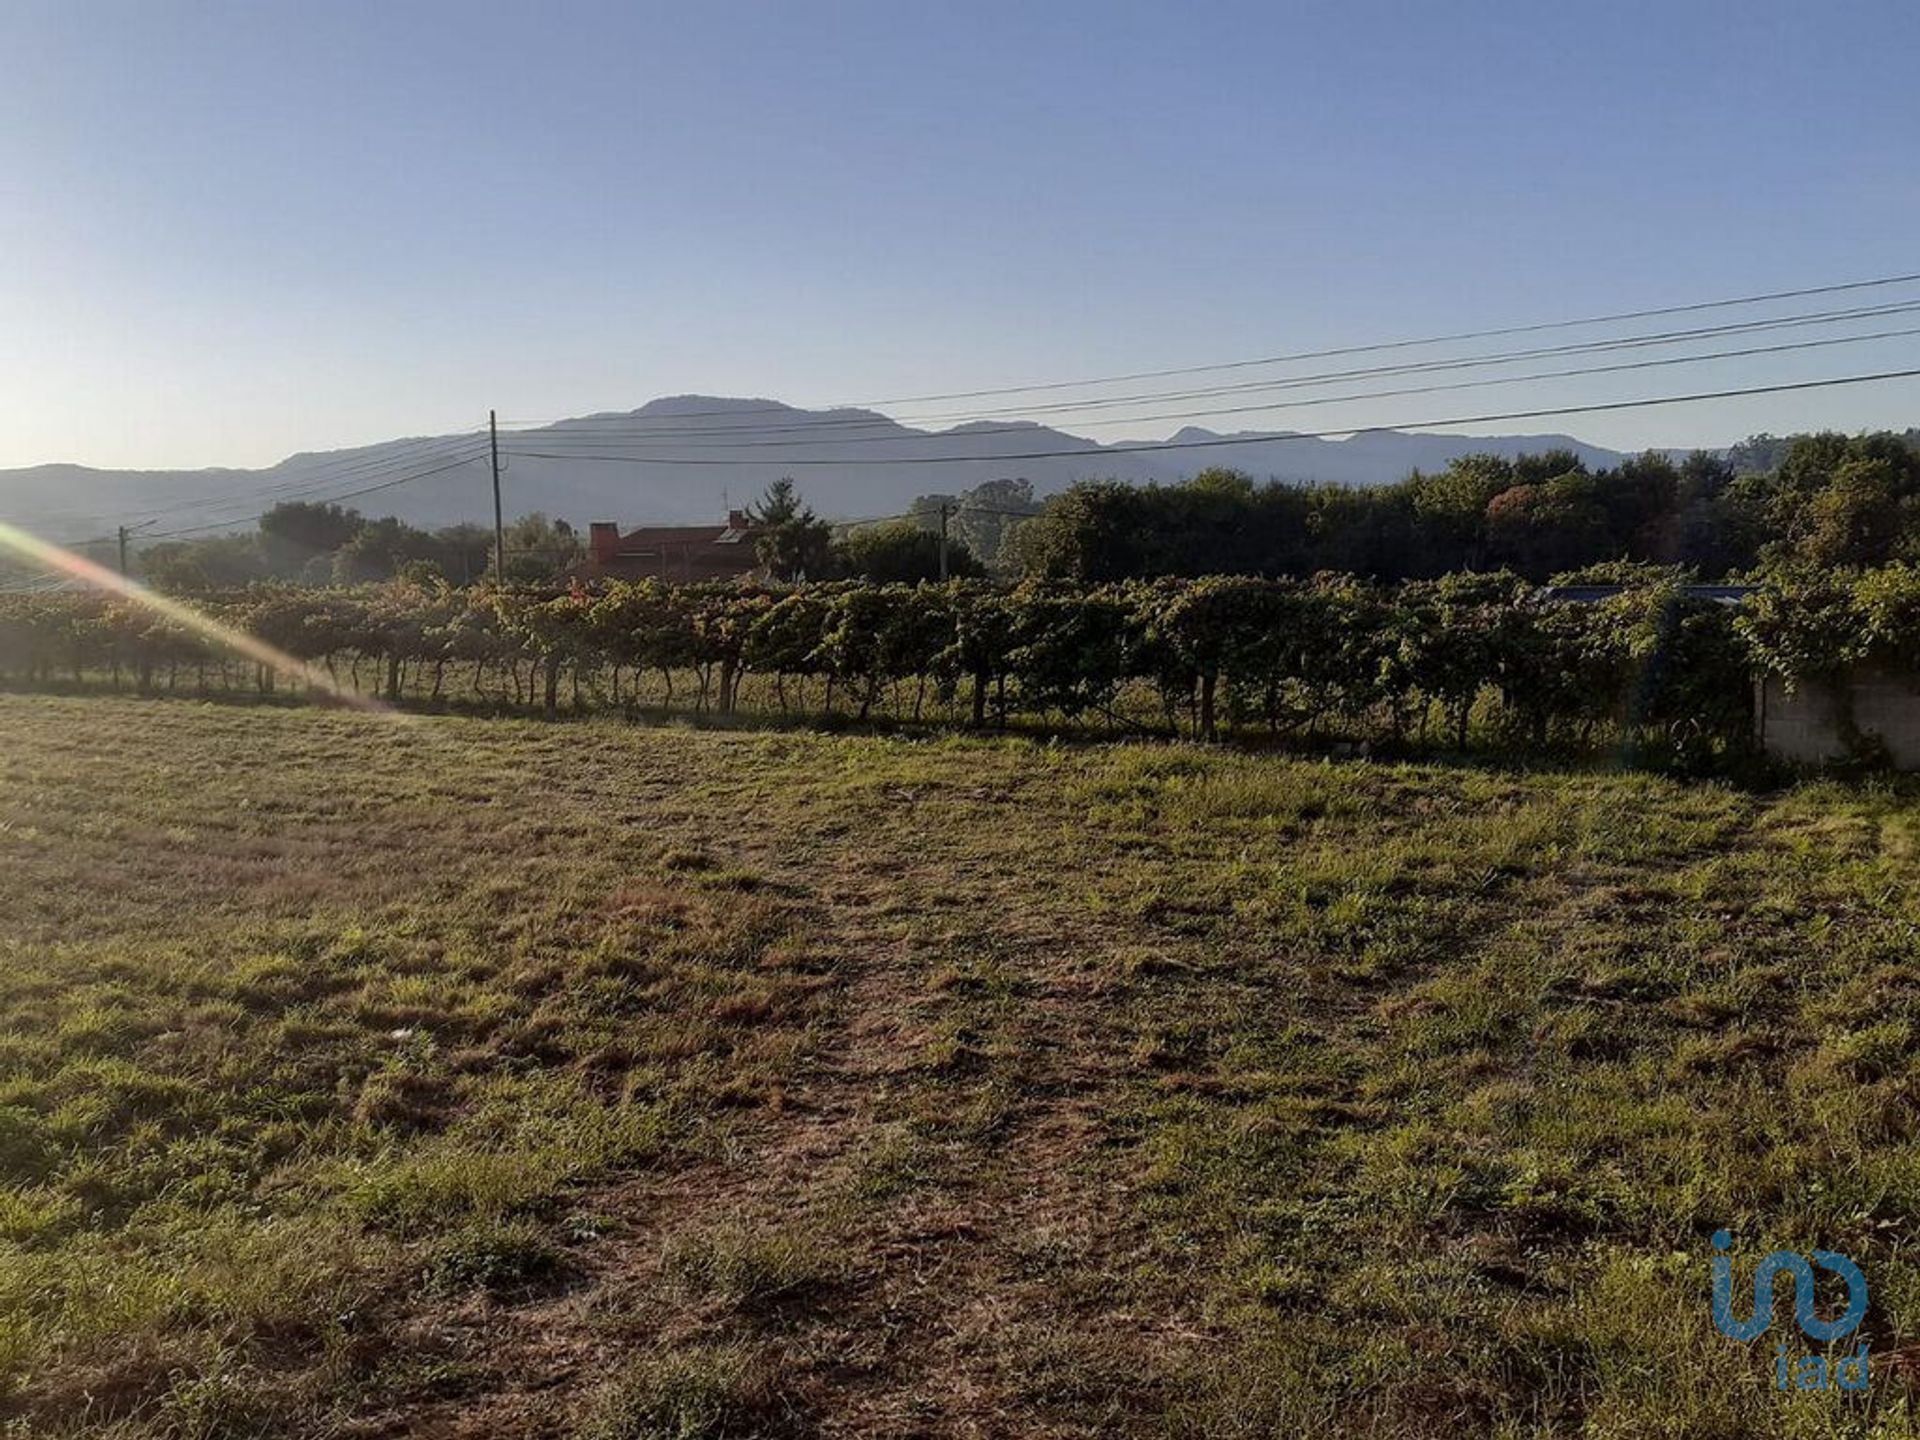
(231, 231)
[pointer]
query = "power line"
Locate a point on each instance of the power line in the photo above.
(1145, 447)
(1266, 406)
(1656, 340)
(399, 452)
(301, 487)
(313, 477)
(233, 522)
(1660, 339)
(1879, 282)
(315, 493)
(345, 495)
(49, 583)
(324, 475)
(1533, 329)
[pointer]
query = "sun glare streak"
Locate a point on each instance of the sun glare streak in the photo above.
(55, 557)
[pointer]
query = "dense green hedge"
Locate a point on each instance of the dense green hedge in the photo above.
(1470, 654)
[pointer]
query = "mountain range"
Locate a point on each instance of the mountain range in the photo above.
(705, 453)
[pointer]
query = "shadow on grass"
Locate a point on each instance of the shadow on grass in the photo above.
(1489, 752)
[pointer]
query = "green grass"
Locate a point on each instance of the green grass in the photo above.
(366, 1074)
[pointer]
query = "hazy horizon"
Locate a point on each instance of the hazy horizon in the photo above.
(1519, 429)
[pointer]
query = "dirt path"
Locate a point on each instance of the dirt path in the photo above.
(967, 1295)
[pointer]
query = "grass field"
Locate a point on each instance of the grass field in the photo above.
(365, 1075)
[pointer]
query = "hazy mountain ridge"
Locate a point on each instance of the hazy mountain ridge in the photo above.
(741, 445)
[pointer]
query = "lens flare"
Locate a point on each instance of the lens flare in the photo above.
(228, 637)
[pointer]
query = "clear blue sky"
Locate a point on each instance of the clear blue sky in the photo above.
(230, 231)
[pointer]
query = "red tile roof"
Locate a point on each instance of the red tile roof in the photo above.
(671, 552)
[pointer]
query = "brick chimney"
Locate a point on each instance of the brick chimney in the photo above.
(603, 542)
(739, 520)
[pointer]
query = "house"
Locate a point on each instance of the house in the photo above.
(679, 553)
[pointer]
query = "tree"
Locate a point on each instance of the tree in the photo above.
(793, 542)
(1451, 507)
(1369, 532)
(900, 550)
(294, 532)
(1705, 529)
(1095, 531)
(1638, 501)
(466, 552)
(988, 514)
(540, 550)
(780, 504)
(1538, 467)
(1757, 454)
(1855, 519)
(224, 562)
(1219, 522)
(1545, 526)
(1838, 501)
(379, 549)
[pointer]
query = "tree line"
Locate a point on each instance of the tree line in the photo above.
(310, 543)
(318, 544)
(1823, 501)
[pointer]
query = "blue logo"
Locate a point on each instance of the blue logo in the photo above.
(1811, 1372)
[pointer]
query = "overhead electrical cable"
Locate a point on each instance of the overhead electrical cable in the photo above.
(639, 429)
(1532, 329)
(400, 454)
(1243, 441)
(344, 495)
(1497, 332)
(1264, 407)
(320, 492)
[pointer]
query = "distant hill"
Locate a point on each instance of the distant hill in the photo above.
(710, 447)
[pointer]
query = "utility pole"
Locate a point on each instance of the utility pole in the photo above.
(499, 524)
(125, 533)
(945, 511)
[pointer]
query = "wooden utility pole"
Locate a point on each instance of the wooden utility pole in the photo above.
(499, 524)
(124, 534)
(945, 510)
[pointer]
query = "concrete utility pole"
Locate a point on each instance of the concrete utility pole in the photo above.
(945, 511)
(123, 552)
(499, 524)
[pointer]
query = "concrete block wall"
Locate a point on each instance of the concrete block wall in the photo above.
(1804, 726)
